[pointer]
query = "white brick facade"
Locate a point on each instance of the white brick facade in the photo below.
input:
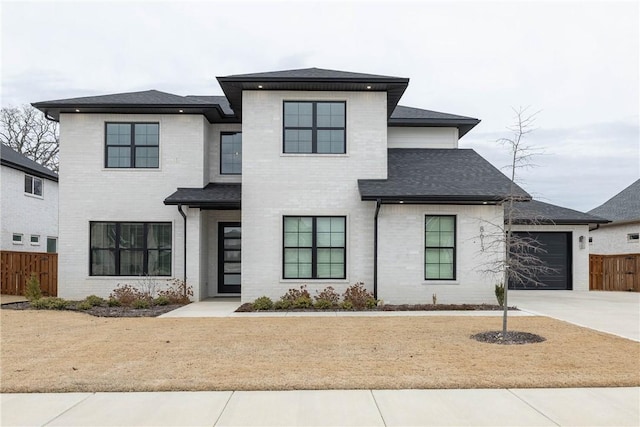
(26, 214)
(612, 239)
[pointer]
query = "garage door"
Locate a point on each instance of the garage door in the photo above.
(557, 257)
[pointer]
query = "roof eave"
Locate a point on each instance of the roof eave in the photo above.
(434, 199)
(29, 170)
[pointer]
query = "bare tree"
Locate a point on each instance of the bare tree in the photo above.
(516, 256)
(26, 130)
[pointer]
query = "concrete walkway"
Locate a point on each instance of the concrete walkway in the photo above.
(616, 313)
(498, 407)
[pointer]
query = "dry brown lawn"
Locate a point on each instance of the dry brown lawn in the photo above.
(44, 351)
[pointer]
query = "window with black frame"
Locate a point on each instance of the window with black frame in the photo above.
(440, 247)
(231, 153)
(132, 145)
(314, 127)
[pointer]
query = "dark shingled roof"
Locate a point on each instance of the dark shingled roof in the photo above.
(409, 116)
(220, 100)
(624, 206)
(15, 160)
(439, 176)
(213, 196)
(312, 79)
(147, 97)
(537, 212)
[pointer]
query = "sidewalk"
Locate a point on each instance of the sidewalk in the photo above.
(495, 407)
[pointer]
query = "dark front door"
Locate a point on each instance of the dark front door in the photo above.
(229, 256)
(557, 257)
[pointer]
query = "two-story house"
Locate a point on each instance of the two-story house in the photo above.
(29, 205)
(309, 176)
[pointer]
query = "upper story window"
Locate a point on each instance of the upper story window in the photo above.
(33, 185)
(231, 153)
(132, 145)
(440, 247)
(314, 127)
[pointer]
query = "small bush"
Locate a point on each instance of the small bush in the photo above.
(263, 303)
(50, 303)
(359, 297)
(302, 302)
(178, 292)
(294, 294)
(32, 291)
(346, 305)
(500, 294)
(94, 300)
(282, 305)
(84, 305)
(112, 302)
(126, 294)
(141, 303)
(162, 300)
(327, 298)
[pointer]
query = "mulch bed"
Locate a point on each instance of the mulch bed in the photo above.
(248, 308)
(512, 337)
(104, 311)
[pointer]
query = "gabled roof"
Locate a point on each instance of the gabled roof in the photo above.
(312, 79)
(409, 116)
(15, 160)
(624, 206)
(148, 101)
(213, 196)
(439, 176)
(537, 212)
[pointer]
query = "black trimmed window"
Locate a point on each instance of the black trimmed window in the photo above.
(33, 185)
(314, 127)
(314, 247)
(231, 153)
(440, 247)
(130, 248)
(132, 145)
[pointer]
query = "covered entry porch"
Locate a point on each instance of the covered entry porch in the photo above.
(213, 243)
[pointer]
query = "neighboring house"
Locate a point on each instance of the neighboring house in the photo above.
(622, 235)
(294, 177)
(29, 206)
(562, 235)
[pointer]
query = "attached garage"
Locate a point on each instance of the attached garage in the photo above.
(564, 234)
(556, 255)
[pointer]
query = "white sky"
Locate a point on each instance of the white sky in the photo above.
(577, 62)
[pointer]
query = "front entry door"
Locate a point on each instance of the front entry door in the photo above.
(229, 256)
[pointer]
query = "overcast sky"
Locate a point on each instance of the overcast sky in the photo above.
(576, 62)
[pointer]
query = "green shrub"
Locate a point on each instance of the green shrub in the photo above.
(32, 291)
(359, 297)
(141, 303)
(162, 300)
(112, 302)
(84, 305)
(282, 305)
(50, 303)
(94, 300)
(263, 303)
(302, 302)
(500, 294)
(346, 305)
(328, 298)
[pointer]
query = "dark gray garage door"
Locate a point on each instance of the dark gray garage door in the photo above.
(557, 257)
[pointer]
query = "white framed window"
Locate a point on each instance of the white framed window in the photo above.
(17, 239)
(35, 240)
(33, 185)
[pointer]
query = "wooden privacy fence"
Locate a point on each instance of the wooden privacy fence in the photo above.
(16, 268)
(614, 272)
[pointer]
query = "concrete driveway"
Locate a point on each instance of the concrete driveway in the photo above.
(616, 313)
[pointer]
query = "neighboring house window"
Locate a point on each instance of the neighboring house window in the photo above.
(314, 247)
(633, 237)
(130, 249)
(132, 145)
(35, 240)
(231, 153)
(314, 127)
(52, 245)
(17, 238)
(33, 185)
(440, 247)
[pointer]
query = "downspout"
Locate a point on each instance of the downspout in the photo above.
(184, 274)
(375, 250)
